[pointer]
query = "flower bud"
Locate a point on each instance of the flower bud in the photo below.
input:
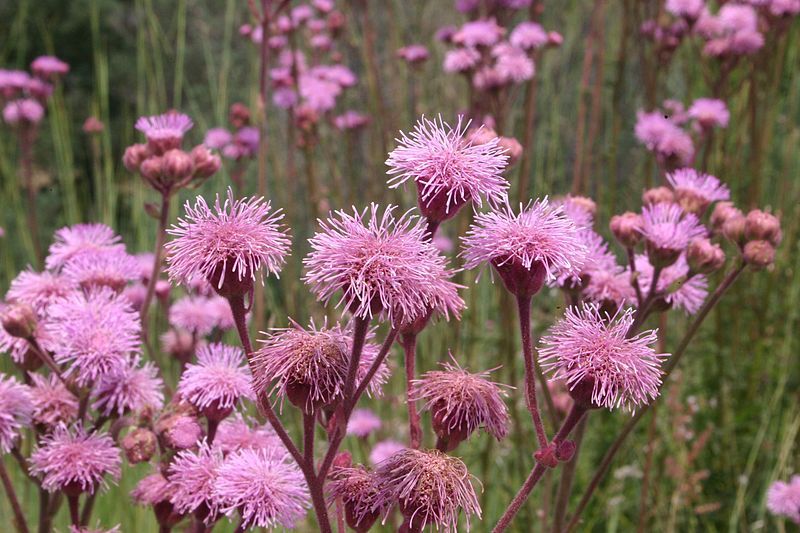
(721, 213)
(482, 135)
(179, 431)
(565, 450)
(177, 165)
(151, 169)
(761, 226)
(733, 228)
(512, 147)
(658, 195)
(336, 21)
(93, 125)
(239, 115)
(554, 39)
(139, 445)
(19, 320)
(206, 164)
(759, 254)
(703, 256)
(627, 228)
(548, 456)
(342, 460)
(134, 156)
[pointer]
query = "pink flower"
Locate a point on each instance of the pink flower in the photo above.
(528, 36)
(690, 293)
(72, 459)
(610, 288)
(431, 488)
(264, 486)
(413, 53)
(461, 60)
(164, 132)
(783, 499)
(710, 112)
(664, 137)
(52, 403)
(131, 388)
(668, 230)
(383, 450)
(107, 268)
(217, 381)
(350, 120)
(27, 111)
(48, 66)
(690, 9)
(382, 265)
(192, 476)
(228, 245)
(695, 190)
(357, 488)
(538, 243)
(602, 367)
(784, 8)
(217, 138)
(192, 314)
(512, 64)
(16, 408)
(78, 239)
(363, 423)
(480, 32)
(235, 434)
(94, 332)
(448, 169)
(39, 290)
(461, 402)
(152, 490)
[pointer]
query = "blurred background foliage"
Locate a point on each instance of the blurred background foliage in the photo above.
(728, 424)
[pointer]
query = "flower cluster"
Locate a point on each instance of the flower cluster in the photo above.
(23, 95)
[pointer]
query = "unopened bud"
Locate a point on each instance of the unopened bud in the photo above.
(481, 135)
(342, 459)
(554, 39)
(19, 320)
(658, 195)
(152, 168)
(627, 228)
(733, 228)
(239, 115)
(206, 164)
(139, 445)
(92, 125)
(336, 21)
(179, 431)
(565, 450)
(703, 256)
(547, 456)
(134, 156)
(761, 226)
(721, 213)
(759, 254)
(177, 165)
(512, 147)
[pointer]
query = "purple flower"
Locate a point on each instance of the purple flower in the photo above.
(192, 476)
(25, 110)
(668, 230)
(164, 132)
(217, 138)
(461, 402)
(528, 36)
(52, 403)
(228, 244)
(193, 314)
(131, 388)
(358, 489)
(264, 486)
(538, 243)
(107, 268)
(602, 367)
(38, 289)
(235, 434)
(689, 294)
(783, 499)
(363, 423)
(512, 64)
(48, 66)
(480, 32)
(383, 450)
(690, 9)
(217, 381)
(74, 460)
(431, 488)
(663, 137)
(382, 265)
(350, 120)
(72, 241)
(461, 59)
(94, 332)
(16, 408)
(610, 288)
(695, 190)
(710, 112)
(152, 490)
(413, 53)
(448, 169)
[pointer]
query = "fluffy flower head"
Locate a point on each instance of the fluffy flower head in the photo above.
(218, 379)
(15, 411)
(783, 499)
(74, 240)
(130, 388)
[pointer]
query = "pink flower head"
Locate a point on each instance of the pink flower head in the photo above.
(695, 190)
(598, 257)
(25, 111)
(668, 230)
(192, 476)
(690, 9)
(461, 402)
(264, 486)
(228, 246)
(49, 66)
(16, 409)
(528, 36)
(431, 488)
(235, 433)
(74, 240)
(39, 290)
(663, 137)
(602, 367)
(784, 8)
(689, 294)
(363, 423)
(131, 388)
(52, 403)
(217, 138)
(164, 132)
(383, 450)
(710, 112)
(107, 268)
(538, 243)
(382, 265)
(449, 170)
(17, 348)
(75, 461)
(192, 314)
(783, 499)
(13, 81)
(152, 490)
(217, 381)
(94, 332)
(358, 489)
(413, 53)
(182, 431)
(512, 64)
(610, 288)
(482, 32)
(461, 60)
(350, 120)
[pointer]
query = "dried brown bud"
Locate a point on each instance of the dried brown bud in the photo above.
(703, 256)
(759, 254)
(139, 445)
(761, 226)
(658, 195)
(627, 228)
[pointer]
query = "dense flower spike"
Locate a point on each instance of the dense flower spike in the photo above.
(96, 332)
(131, 388)
(16, 408)
(228, 244)
(461, 402)
(527, 248)
(78, 239)
(75, 461)
(448, 168)
(382, 265)
(783, 499)
(431, 488)
(667, 230)
(358, 489)
(601, 365)
(263, 486)
(217, 381)
(695, 191)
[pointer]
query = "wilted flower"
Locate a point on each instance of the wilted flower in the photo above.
(52, 402)
(130, 388)
(602, 366)
(16, 408)
(74, 240)
(362, 423)
(783, 499)
(358, 489)
(75, 461)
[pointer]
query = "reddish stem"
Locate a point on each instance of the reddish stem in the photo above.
(16, 509)
(409, 343)
(524, 307)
